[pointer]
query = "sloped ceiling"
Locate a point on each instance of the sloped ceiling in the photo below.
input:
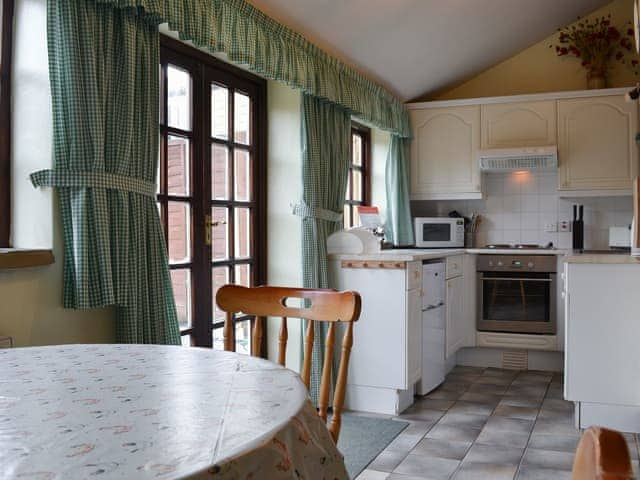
(418, 47)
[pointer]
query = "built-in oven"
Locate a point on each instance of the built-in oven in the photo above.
(517, 293)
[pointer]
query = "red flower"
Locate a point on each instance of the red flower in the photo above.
(634, 62)
(619, 55)
(630, 32)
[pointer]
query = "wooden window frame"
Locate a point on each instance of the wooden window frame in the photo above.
(6, 52)
(365, 170)
(178, 53)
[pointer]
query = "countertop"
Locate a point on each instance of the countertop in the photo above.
(401, 255)
(523, 251)
(602, 258)
(414, 254)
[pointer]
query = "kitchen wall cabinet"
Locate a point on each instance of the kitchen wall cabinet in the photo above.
(596, 143)
(593, 129)
(444, 153)
(518, 124)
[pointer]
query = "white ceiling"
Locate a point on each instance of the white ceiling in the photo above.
(416, 47)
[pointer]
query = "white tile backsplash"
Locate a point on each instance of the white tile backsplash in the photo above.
(517, 207)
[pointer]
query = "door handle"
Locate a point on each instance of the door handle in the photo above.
(208, 225)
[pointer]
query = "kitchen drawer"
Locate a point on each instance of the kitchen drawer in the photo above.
(414, 275)
(454, 266)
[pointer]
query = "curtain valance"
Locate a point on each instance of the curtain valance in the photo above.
(247, 36)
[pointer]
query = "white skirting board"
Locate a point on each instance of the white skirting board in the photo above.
(617, 417)
(377, 400)
(493, 357)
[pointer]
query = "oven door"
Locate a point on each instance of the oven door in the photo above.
(518, 302)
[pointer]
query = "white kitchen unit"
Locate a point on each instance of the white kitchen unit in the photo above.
(386, 359)
(594, 131)
(596, 143)
(602, 358)
(433, 327)
(454, 312)
(443, 153)
(519, 124)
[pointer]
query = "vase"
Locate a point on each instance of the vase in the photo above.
(596, 79)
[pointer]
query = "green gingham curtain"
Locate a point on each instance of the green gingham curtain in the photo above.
(103, 66)
(398, 227)
(248, 36)
(326, 136)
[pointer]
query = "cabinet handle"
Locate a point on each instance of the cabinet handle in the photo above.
(365, 265)
(381, 265)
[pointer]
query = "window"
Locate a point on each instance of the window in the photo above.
(358, 185)
(6, 28)
(211, 187)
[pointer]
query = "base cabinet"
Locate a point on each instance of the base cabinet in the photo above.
(454, 332)
(386, 356)
(602, 355)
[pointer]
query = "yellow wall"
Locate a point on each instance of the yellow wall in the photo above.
(537, 69)
(31, 299)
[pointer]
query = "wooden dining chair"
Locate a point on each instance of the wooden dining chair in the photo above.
(319, 305)
(602, 454)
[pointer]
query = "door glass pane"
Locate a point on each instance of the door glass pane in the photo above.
(179, 101)
(179, 232)
(357, 185)
(243, 275)
(185, 340)
(356, 216)
(178, 160)
(243, 337)
(220, 233)
(218, 339)
(346, 215)
(219, 172)
(242, 115)
(357, 149)
(242, 175)
(348, 194)
(242, 233)
(219, 112)
(219, 277)
(181, 283)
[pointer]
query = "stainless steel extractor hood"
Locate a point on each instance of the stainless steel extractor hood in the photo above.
(525, 158)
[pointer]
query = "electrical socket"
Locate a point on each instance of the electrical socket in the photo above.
(551, 227)
(565, 226)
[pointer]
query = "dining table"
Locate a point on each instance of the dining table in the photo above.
(162, 412)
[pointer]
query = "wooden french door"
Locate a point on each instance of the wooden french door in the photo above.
(212, 187)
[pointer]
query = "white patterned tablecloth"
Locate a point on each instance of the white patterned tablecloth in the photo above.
(146, 411)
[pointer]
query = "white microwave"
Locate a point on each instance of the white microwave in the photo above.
(439, 232)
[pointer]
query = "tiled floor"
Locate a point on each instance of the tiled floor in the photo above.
(486, 424)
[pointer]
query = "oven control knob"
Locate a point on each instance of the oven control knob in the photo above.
(530, 265)
(491, 263)
(500, 264)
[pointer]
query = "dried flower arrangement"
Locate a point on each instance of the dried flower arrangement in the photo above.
(596, 42)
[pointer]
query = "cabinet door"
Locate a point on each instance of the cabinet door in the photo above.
(444, 160)
(454, 332)
(596, 143)
(522, 124)
(414, 336)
